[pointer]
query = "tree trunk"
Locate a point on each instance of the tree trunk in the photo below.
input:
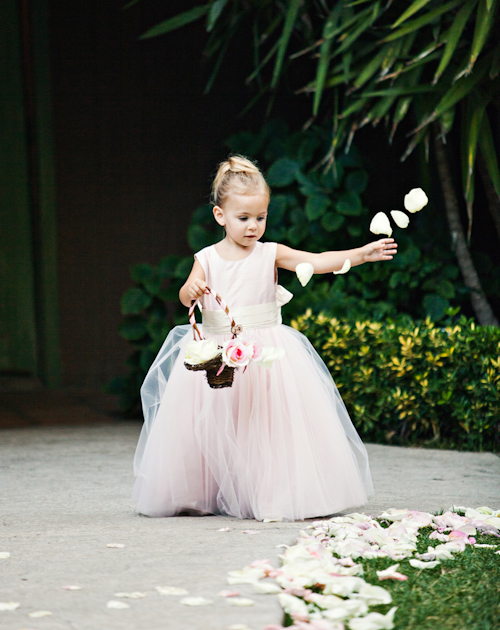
(491, 194)
(480, 304)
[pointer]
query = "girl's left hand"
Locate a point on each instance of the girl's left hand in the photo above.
(384, 249)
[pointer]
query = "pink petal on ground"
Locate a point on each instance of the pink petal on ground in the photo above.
(228, 593)
(395, 576)
(250, 531)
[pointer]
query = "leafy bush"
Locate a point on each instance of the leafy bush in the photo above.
(407, 382)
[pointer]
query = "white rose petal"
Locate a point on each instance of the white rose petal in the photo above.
(196, 601)
(345, 267)
(240, 601)
(237, 626)
(72, 587)
(269, 356)
(134, 595)
(380, 224)
(401, 219)
(267, 588)
(304, 272)
(374, 621)
(4, 555)
(272, 520)
(171, 590)
(293, 605)
(224, 529)
(419, 564)
(39, 613)
(248, 575)
(116, 604)
(228, 594)
(9, 606)
(415, 200)
(200, 351)
(373, 595)
(115, 545)
(485, 546)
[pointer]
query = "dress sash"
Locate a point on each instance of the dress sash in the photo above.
(248, 317)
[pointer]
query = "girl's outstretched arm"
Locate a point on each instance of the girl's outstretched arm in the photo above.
(326, 262)
(195, 285)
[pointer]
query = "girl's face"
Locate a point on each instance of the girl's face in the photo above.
(243, 217)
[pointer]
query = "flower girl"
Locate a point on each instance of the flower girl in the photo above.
(278, 443)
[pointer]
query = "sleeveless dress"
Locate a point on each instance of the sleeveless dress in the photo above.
(278, 444)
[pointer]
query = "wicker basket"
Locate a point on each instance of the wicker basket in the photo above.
(216, 377)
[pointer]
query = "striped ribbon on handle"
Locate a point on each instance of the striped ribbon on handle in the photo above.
(235, 329)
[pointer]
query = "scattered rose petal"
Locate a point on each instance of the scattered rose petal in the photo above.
(374, 621)
(240, 601)
(497, 552)
(228, 593)
(224, 529)
(237, 626)
(267, 588)
(196, 601)
(415, 200)
(380, 224)
(272, 520)
(250, 531)
(39, 613)
(133, 595)
(345, 267)
(391, 573)
(72, 587)
(419, 564)
(485, 546)
(4, 555)
(401, 219)
(9, 606)
(304, 272)
(113, 603)
(115, 545)
(171, 590)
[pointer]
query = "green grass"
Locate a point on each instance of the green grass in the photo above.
(458, 594)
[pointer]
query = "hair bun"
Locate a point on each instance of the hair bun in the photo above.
(237, 174)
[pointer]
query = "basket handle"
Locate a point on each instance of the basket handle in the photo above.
(235, 329)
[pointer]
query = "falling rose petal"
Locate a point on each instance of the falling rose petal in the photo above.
(401, 219)
(171, 590)
(304, 272)
(267, 588)
(113, 603)
(196, 601)
(415, 200)
(134, 595)
(115, 545)
(72, 587)
(4, 555)
(240, 601)
(380, 224)
(224, 529)
(228, 593)
(345, 267)
(250, 531)
(9, 606)
(39, 613)
(419, 564)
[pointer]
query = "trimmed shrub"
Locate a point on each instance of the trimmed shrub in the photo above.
(408, 382)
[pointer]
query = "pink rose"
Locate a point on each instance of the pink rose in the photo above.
(255, 349)
(236, 354)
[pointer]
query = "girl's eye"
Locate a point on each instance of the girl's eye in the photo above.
(262, 218)
(243, 218)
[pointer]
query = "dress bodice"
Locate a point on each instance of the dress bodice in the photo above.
(240, 283)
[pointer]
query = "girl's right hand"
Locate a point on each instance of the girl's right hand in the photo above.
(197, 289)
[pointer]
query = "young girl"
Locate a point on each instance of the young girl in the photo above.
(279, 443)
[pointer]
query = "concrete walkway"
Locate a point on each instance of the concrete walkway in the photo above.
(65, 494)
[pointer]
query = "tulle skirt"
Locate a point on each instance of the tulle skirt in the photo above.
(278, 444)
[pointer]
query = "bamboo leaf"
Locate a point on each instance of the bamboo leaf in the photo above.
(477, 109)
(264, 61)
(353, 108)
(484, 22)
(372, 66)
(401, 91)
(453, 37)
(400, 112)
(130, 4)
(353, 36)
(177, 21)
(215, 11)
(417, 24)
(467, 179)
(321, 72)
(291, 18)
(487, 146)
(413, 8)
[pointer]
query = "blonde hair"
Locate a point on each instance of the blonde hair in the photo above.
(237, 174)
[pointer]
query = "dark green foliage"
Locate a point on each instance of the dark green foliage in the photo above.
(407, 382)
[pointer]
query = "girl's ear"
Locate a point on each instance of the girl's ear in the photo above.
(219, 215)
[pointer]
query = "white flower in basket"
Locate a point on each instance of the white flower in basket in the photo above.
(197, 352)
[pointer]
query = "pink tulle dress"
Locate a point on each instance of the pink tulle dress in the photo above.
(278, 444)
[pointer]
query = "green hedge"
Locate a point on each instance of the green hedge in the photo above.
(407, 382)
